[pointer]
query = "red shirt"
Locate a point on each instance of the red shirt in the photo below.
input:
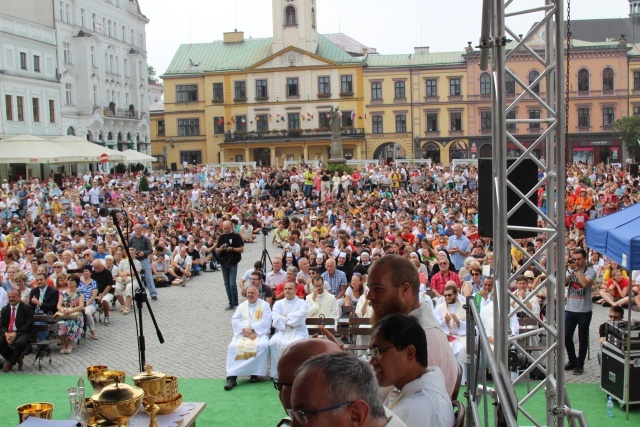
(300, 292)
(624, 283)
(580, 220)
(439, 281)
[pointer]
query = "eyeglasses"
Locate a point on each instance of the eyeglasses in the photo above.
(278, 385)
(476, 274)
(30, 253)
(448, 295)
(57, 266)
(443, 263)
(378, 351)
(302, 416)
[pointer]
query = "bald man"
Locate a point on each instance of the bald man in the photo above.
(229, 250)
(292, 357)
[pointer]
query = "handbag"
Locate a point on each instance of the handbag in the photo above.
(71, 316)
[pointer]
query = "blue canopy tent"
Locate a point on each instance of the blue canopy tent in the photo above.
(617, 236)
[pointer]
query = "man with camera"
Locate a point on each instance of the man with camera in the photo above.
(578, 308)
(229, 249)
(143, 249)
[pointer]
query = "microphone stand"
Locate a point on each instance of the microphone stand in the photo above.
(140, 298)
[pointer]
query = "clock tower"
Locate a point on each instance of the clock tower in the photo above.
(294, 24)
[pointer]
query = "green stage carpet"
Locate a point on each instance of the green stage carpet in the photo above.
(258, 404)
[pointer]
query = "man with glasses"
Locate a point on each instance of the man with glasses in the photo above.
(399, 359)
(616, 314)
(338, 389)
(459, 247)
(442, 277)
(453, 320)
(578, 308)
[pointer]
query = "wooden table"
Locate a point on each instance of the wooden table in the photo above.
(189, 420)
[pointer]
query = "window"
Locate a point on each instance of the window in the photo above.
(584, 117)
(346, 84)
(456, 121)
(186, 93)
(23, 60)
(583, 80)
(432, 88)
(401, 123)
(608, 116)
(292, 86)
(161, 129)
(133, 39)
(511, 115)
(240, 92)
(347, 120)
(241, 123)
(262, 122)
(607, 79)
(509, 84)
(68, 94)
(290, 15)
(485, 120)
(52, 111)
(636, 80)
(218, 125)
(323, 120)
(376, 122)
(188, 127)
(8, 102)
(20, 104)
(36, 63)
(93, 56)
(399, 90)
(93, 21)
(191, 157)
(485, 84)
(218, 92)
(533, 75)
(261, 89)
(126, 67)
(534, 115)
(67, 53)
(36, 109)
(454, 87)
(324, 85)
(67, 13)
(95, 95)
(124, 33)
(432, 122)
(109, 27)
(376, 90)
(636, 111)
(294, 121)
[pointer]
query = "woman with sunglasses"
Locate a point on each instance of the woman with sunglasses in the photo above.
(70, 303)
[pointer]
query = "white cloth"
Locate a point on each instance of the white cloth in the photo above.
(440, 353)
(289, 319)
(423, 401)
(249, 315)
(459, 345)
(325, 305)
(486, 316)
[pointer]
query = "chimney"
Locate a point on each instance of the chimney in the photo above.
(233, 37)
(421, 49)
(365, 50)
(468, 48)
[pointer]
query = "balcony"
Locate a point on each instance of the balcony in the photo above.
(290, 135)
(121, 113)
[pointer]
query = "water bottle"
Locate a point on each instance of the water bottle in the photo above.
(610, 407)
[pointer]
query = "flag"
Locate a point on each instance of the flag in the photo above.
(243, 120)
(269, 117)
(365, 115)
(278, 116)
(233, 120)
(327, 115)
(282, 119)
(309, 115)
(220, 121)
(258, 119)
(340, 113)
(303, 119)
(353, 115)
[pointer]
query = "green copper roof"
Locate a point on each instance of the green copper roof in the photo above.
(219, 56)
(412, 60)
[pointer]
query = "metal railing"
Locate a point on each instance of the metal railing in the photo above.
(297, 134)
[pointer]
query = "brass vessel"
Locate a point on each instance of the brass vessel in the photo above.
(153, 384)
(37, 410)
(95, 369)
(104, 378)
(118, 402)
(169, 406)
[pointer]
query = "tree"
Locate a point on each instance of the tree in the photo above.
(628, 128)
(151, 75)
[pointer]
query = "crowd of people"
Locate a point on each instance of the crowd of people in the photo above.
(328, 230)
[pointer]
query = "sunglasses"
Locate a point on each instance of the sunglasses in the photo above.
(448, 295)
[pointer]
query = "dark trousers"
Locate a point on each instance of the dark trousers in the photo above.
(19, 345)
(582, 321)
(229, 274)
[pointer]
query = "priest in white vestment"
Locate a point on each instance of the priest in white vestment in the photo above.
(322, 303)
(289, 316)
(249, 348)
(453, 320)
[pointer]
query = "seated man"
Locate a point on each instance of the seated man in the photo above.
(322, 303)
(289, 317)
(246, 231)
(320, 385)
(291, 274)
(400, 359)
(616, 314)
(452, 318)
(249, 348)
(17, 330)
(126, 283)
(265, 291)
(180, 267)
(104, 279)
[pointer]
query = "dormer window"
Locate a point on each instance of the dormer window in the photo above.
(290, 16)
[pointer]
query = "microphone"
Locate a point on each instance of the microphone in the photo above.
(103, 212)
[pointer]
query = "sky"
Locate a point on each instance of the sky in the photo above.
(391, 27)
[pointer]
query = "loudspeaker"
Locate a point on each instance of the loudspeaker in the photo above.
(524, 177)
(57, 178)
(612, 373)
(633, 169)
(174, 167)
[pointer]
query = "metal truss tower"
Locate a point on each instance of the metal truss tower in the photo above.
(495, 56)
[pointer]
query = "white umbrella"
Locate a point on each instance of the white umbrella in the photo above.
(32, 149)
(133, 156)
(82, 146)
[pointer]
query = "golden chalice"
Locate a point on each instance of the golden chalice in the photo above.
(37, 410)
(153, 384)
(105, 378)
(118, 402)
(95, 369)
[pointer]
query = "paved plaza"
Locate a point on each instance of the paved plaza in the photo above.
(197, 331)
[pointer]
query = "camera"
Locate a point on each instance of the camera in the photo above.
(571, 261)
(225, 246)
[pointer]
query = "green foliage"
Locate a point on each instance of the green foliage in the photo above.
(151, 75)
(333, 167)
(120, 168)
(628, 128)
(144, 183)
